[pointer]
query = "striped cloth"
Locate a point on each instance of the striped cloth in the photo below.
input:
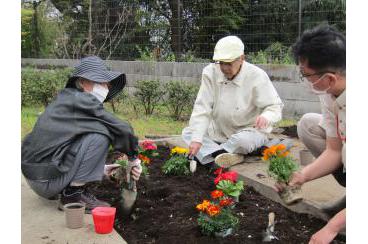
(94, 69)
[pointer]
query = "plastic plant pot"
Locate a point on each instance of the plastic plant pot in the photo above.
(103, 219)
(74, 215)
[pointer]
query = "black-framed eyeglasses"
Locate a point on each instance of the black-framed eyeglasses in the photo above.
(227, 63)
(303, 77)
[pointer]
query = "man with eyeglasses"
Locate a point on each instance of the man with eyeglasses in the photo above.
(235, 108)
(320, 54)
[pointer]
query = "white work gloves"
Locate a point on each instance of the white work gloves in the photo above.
(109, 168)
(134, 169)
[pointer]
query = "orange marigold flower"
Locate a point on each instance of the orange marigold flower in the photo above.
(265, 156)
(203, 206)
(272, 150)
(226, 202)
(275, 151)
(145, 159)
(217, 194)
(268, 152)
(200, 207)
(280, 147)
(206, 203)
(213, 210)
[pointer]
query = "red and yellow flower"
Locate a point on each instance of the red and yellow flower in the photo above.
(213, 210)
(217, 194)
(226, 202)
(144, 159)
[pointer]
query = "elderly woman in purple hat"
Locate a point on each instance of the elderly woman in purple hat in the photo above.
(68, 146)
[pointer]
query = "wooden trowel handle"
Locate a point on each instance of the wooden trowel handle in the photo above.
(271, 219)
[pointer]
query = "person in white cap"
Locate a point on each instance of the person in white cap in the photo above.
(235, 108)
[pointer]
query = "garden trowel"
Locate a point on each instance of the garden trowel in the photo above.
(268, 235)
(128, 196)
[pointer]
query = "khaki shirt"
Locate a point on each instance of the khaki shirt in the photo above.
(224, 107)
(334, 118)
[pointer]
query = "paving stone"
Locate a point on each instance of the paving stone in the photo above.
(42, 223)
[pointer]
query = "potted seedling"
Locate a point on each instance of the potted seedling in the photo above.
(178, 163)
(147, 150)
(228, 183)
(281, 167)
(215, 216)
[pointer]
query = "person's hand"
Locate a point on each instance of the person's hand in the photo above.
(134, 169)
(109, 168)
(297, 178)
(136, 173)
(194, 148)
(261, 122)
(323, 236)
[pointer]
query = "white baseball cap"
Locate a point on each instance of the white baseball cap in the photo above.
(228, 49)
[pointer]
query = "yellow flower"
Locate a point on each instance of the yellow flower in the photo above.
(179, 150)
(203, 206)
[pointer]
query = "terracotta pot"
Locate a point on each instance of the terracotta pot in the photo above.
(291, 194)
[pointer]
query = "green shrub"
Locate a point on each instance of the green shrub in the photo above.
(149, 93)
(210, 225)
(180, 97)
(276, 53)
(178, 164)
(39, 87)
(122, 97)
(281, 168)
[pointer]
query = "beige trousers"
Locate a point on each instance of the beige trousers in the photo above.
(314, 138)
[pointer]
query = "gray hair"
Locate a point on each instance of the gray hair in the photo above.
(78, 83)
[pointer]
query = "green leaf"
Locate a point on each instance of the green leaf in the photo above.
(281, 168)
(230, 188)
(177, 165)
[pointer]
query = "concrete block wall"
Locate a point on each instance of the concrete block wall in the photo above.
(297, 98)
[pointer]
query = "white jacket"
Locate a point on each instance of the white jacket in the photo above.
(224, 107)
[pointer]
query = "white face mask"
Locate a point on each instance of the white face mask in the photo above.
(317, 92)
(100, 92)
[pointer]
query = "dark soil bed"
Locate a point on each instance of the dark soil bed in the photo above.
(165, 211)
(290, 131)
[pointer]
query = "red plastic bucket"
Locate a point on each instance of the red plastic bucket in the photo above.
(103, 218)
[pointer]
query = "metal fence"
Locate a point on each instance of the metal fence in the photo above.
(170, 30)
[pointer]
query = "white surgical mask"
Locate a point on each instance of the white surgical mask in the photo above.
(317, 92)
(100, 92)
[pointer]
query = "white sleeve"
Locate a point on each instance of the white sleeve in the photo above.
(202, 110)
(267, 98)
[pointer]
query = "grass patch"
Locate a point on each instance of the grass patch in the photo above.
(142, 125)
(286, 123)
(160, 123)
(29, 117)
